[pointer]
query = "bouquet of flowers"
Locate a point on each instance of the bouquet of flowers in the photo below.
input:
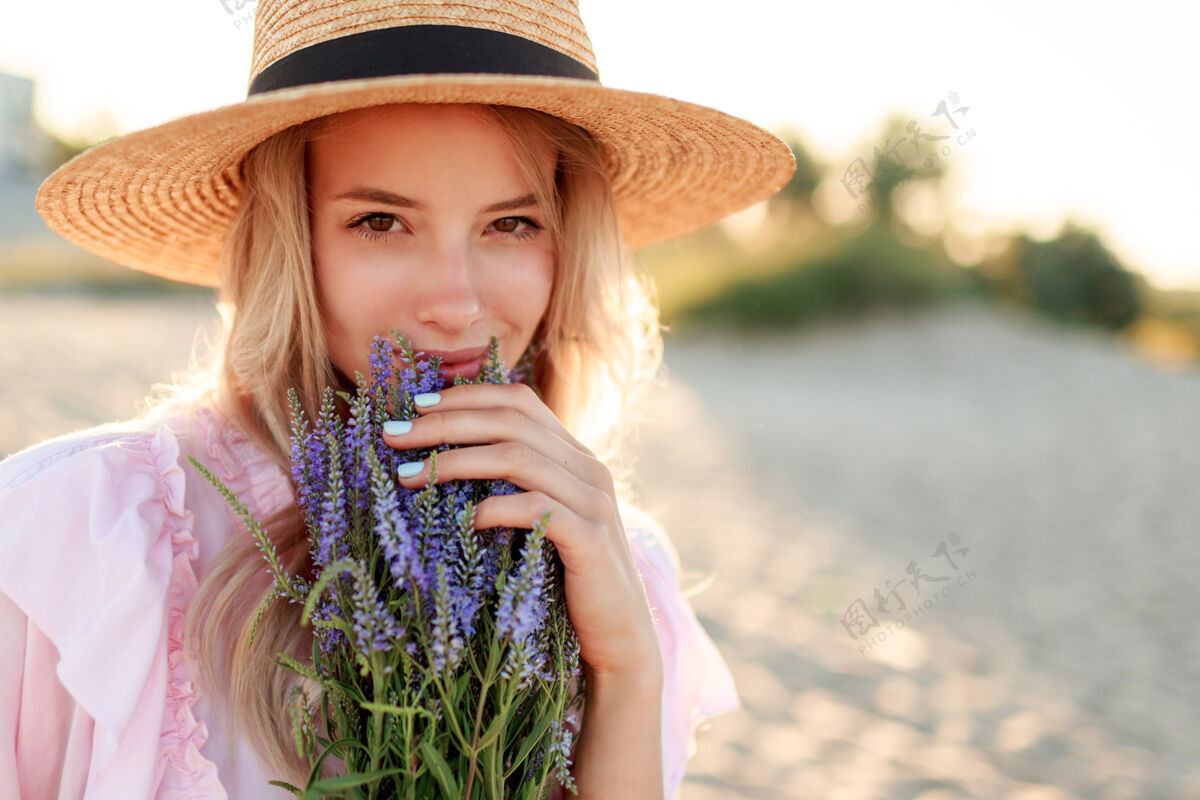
(443, 657)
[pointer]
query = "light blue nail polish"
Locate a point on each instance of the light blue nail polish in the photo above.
(427, 399)
(410, 469)
(397, 427)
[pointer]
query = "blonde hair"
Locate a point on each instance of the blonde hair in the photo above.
(602, 347)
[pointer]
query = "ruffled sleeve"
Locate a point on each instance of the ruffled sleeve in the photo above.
(91, 530)
(697, 683)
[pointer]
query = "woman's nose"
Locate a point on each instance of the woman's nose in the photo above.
(449, 297)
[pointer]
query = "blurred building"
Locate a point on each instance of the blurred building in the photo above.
(25, 156)
(25, 149)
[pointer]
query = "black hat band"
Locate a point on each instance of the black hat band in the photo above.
(416, 50)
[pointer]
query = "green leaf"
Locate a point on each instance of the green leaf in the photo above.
(350, 781)
(286, 785)
(530, 741)
(261, 539)
(400, 711)
(330, 572)
(258, 615)
(461, 684)
(297, 667)
(316, 767)
(495, 783)
(440, 769)
(493, 665)
(493, 731)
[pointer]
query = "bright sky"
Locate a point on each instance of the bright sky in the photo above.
(1079, 109)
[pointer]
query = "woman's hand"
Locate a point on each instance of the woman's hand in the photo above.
(520, 440)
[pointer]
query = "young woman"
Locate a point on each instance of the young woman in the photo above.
(451, 172)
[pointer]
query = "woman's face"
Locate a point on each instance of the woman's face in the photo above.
(423, 222)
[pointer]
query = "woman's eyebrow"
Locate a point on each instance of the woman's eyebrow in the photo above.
(376, 196)
(510, 205)
(373, 195)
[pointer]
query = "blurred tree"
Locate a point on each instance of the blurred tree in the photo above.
(796, 195)
(97, 128)
(1072, 277)
(902, 151)
(60, 151)
(871, 270)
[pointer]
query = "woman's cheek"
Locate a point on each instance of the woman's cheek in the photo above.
(538, 280)
(346, 299)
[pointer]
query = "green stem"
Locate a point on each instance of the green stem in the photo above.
(483, 693)
(408, 723)
(376, 717)
(447, 706)
(498, 775)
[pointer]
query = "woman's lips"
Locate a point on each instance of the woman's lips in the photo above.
(467, 362)
(455, 356)
(468, 369)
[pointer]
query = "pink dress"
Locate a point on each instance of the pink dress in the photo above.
(103, 536)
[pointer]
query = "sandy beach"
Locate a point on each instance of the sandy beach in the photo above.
(1021, 496)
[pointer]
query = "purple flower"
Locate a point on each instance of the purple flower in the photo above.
(560, 737)
(328, 639)
(391, 528)
(472, 587)
(522, 609)
(382, 366)
(374, 628)
(415, 579)
(446, 644)
(522, 372)
(493, 369)
(331, 525)
(308, 462)
(360, 438)
(318, 471)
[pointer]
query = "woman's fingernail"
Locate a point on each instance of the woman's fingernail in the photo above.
(410, 469)
(397, 427)
(427, 399)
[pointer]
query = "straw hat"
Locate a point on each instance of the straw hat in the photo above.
(162, 199)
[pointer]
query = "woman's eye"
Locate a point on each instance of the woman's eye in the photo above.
(520, 227)
(379, 225)
(375, 225)
(379, 222)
